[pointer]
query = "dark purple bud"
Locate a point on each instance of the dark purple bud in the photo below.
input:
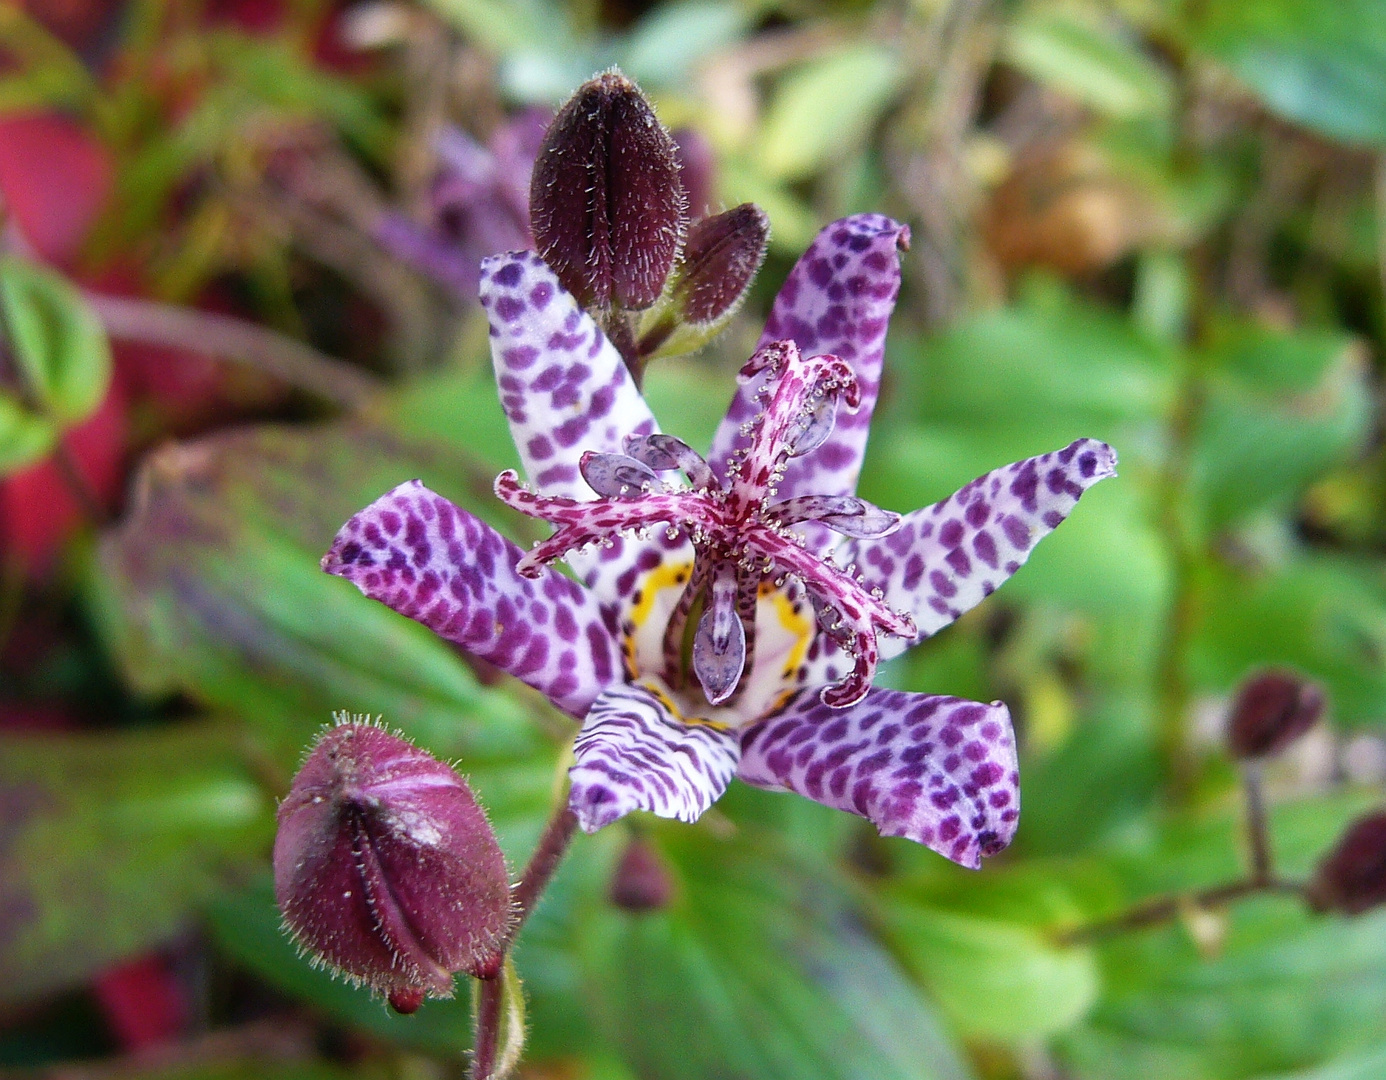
(698, 168)
(719, 646)
(616, 476)
(642, 881)
(1272, 710)
(607, 207)
(1352, 878)
(721, 259)
(386, 869)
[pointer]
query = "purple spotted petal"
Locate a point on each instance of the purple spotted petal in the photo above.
(633, 754)
(938, 770)
(564, 386)
(944, 559)
(837, 299)
(419, 554)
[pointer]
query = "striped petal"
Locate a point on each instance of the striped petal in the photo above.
(564, 386)
(944, 559)
(838, 300)
(633, 753)
(432, 561)
(938, 770)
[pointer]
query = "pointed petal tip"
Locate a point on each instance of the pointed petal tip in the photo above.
(1096, 460)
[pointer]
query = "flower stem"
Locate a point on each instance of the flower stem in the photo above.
(1164, 908)
(1257, 831)
(70, 469)
(488, 1016)
(539, 871)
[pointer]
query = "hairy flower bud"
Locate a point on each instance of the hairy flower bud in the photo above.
(721, 259)
(1352, 877)
(641, 881)
(607, 205)
(386, 869)
(1272, 710)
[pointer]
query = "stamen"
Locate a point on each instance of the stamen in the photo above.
(740, 535)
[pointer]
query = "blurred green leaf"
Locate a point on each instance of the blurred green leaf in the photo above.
(758, 968)
(109, 841)
(507, 26)
(1322, 65)
(1280, 410)
(58, 345)
(24, 437)
(1325, 615)
(972, 964)
(211, 587)
(665, 45)
(825, 108)
(1089, 62)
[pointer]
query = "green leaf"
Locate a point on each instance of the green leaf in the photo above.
(994, 978)
(1322, 614)
(1088, 62)
(57, 341)
(759, 968)
(1280, 411)
(1321, 65)
(825, 108)
(24, 437)
(108, 843)
(666, 43)
(211, 587)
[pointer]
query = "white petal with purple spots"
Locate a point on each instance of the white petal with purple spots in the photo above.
(837, 300)
(564, 386)
(938, 770)
(945, 559)
(417, 553)
(634, 754)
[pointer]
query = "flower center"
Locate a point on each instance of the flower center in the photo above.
(740, 533)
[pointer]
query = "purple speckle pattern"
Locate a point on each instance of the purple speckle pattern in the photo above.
(837, 299)
(633, 754)
(564, 387)
(938, 770)
(945, 559)
(427, 559)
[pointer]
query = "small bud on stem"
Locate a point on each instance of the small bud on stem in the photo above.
(1272, 710)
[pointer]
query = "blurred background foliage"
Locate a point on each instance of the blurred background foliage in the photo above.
(1160, 223)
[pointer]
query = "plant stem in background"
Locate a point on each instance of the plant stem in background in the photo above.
(1164, 908)
(221, 336)
(1258, 835)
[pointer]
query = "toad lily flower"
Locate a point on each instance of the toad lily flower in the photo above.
(719, 631)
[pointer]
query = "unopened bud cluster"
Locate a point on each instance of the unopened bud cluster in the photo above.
(386, 869)
(609, 214)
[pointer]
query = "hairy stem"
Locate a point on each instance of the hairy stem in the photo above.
(487, 1036)
(539, 871)
(221, 336)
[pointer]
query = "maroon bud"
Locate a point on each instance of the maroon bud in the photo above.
(721, 259)
(1272, 710)
(1352, 877)
(641, 881)
(698, 168)
(386, 869)
(607, 207)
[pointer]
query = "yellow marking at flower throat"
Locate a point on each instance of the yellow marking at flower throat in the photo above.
(675, 575)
